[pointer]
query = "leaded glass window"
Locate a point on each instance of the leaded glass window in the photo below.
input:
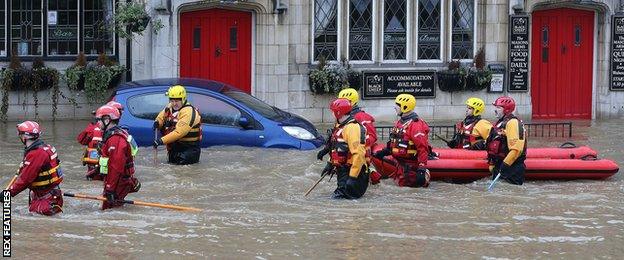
(462, 27)
(2, 28)
(395, 30)
(26, 27)
(62, 27)
(429, 29)
(360, 29)
(97, 38)
(326, 29)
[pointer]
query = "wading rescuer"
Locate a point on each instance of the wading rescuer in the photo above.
(40, 171)
(506, 144)
(117, 158)
(409, 145)
(364, 119)
(180, 124)
(473, 131)
(348, 152)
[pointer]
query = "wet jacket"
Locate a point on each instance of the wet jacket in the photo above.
(91, 136)
(368, 122)
(183, 125)
(348, 146)
(117, 160)
(39, 171)
(409, 140)
(472, 133)
(506, 141)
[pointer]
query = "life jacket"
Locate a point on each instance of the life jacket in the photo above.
(92, 154)
(400, 143)
(340, 154)
(131, 153)
(465, 130)
(171, 119)
(497, 148)
(50, 174)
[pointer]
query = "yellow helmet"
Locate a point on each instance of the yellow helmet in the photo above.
(350, 94)
(477, 105)
(177, 91)
(406, 102)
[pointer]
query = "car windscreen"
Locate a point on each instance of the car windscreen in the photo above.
(255, 104)
(147, 106)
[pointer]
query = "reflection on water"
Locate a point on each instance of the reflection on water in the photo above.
(254, 208)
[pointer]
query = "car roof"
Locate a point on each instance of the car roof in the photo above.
(186, 82)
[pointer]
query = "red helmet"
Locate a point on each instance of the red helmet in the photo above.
(340, 107)
(109, 111)
(507, 103)
(29, 128)
(115, 104)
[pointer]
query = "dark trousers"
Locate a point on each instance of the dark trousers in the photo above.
(184, 153)
(350, 189)
(514, 174)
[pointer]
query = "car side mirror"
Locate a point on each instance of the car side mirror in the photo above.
(243, 122)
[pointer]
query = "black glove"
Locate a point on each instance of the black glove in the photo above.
(328, 168)
(351, 182)
(382, 153)
(421, 170)
(110, 196)
(322, 153)
(504, 168)
(157, 142)
(156, 125)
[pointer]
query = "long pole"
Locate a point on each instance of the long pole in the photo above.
(135, 202)
(314, 186)
(155, 148)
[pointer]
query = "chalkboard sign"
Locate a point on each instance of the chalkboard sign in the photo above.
(617, 53)
(518, 52)
(389, 84)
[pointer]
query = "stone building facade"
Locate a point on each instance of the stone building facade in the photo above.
(286, 37)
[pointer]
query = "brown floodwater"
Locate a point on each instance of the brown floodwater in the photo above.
(253, 207)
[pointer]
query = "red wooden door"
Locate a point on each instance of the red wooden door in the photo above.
(216, 44)
(562, 63)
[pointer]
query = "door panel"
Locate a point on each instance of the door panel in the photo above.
(216, 57)
(562, 63)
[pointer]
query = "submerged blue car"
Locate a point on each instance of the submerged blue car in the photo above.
(229, 116)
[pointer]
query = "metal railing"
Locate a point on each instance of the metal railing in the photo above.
(556, 129)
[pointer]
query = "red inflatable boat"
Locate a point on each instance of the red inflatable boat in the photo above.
(467, 170)
(546, 153)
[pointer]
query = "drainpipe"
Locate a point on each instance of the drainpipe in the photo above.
(128, 53)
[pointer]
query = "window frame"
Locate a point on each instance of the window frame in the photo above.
(45, 39)
(374, 34)
(449, 35)
(6, 33)
(47, 28)
(408, 35)
(442, 38)
(338, 33)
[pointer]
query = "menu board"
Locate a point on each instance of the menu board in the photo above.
(617, 53)
(518, 53)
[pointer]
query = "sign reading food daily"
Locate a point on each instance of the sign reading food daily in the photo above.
(518, 52)
(389, 84)
(617, 53)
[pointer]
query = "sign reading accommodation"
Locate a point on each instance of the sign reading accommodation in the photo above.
(617, 53)
(389, 84)
(518, 52)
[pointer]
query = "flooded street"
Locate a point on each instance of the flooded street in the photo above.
(253, 207)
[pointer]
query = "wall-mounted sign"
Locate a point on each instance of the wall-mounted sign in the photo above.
(518, 53)
(617, 53)
(389, 84)
(52, 17)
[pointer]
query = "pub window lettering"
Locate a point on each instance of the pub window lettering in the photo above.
(54, 28)
(433, 30)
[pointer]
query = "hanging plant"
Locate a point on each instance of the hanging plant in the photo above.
(478, 77)
(100, 77)
(132, 18)
(7, 80)
(453, 79)
(331, 78)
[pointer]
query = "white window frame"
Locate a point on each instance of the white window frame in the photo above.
(338, 33)
(6, 34)
(374, 35)
(442, 39)
(408, 36)
(43, 28)
(450, 32)
(113, 37)
(79, 2)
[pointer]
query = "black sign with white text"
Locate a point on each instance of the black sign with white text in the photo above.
(518, 52)
(617, 53)
(389, 84)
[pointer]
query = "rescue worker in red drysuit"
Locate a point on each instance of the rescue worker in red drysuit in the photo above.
(506, 144)
(91, 136)
(471, 132)
(40, 171)
(365, 120)
(409, 145)
(348, 153)
(116, 159)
